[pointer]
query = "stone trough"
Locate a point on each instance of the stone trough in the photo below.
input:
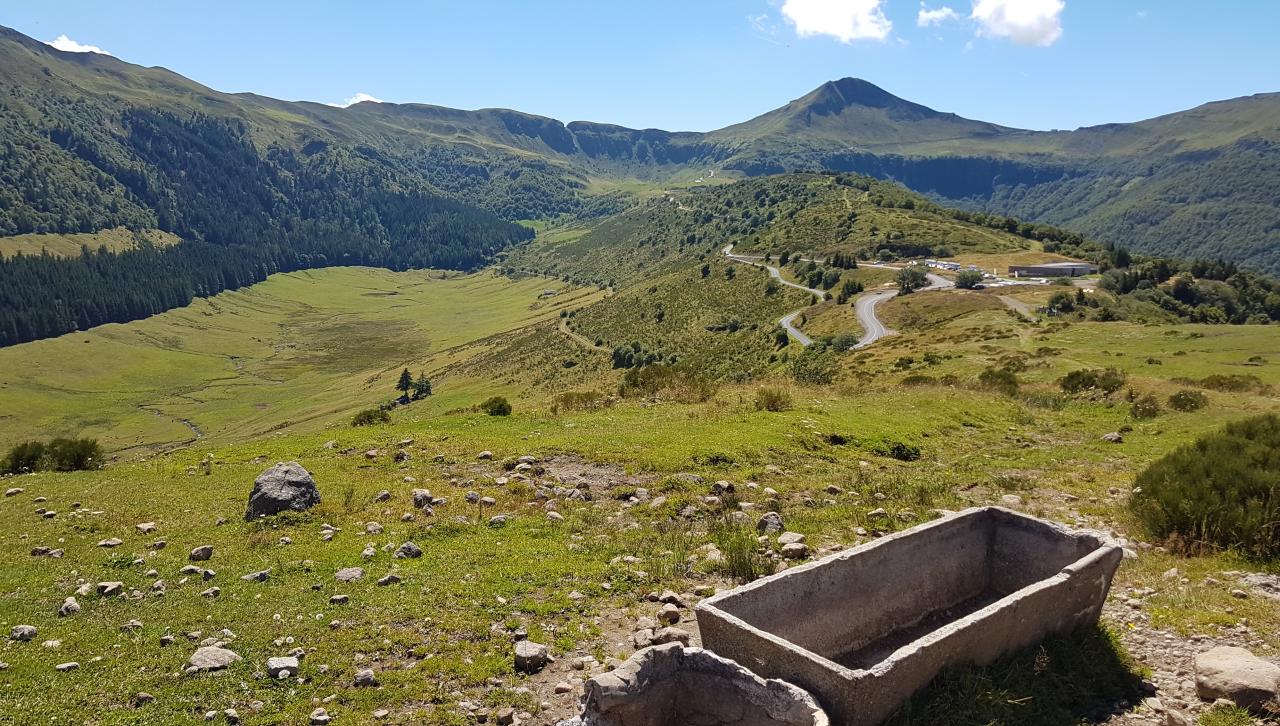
(670, 684)
(865, 629)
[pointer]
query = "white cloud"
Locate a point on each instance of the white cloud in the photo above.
(62, 42)
(845, 20)
(927, 17)
(1026, 22)
(358, 98)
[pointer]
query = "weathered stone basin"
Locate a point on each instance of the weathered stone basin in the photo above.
(670, 684)
(866, 628)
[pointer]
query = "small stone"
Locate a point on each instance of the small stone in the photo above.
(211, 593)
(408, 551)
(145, 527)
(201, 553)
(69, 607)
(530, 657)
(366, 679)
(1011, 500)
(64, 667)
(13, 491)
(259, 576)
(795, 551)
(142, 698)
(349, 574)
(388, 579)
(110, 589)
(1113, 438)
(23, 633)
(212, 658)
(770, 523)
(787, 538)
(498, 521)
(482, 456)
(320, 717)
(669, 614)
(131, 627)
(382, 496)
(339, 600)
(282, 666)
(113, 542)
(671, 635)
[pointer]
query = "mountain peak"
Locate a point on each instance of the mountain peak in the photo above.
(833, 97)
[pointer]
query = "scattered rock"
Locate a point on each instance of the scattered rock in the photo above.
(259, 576)
(787, 538)
(770, 523)
(1237, 675)
(69, 607)
(201, 554)
(13, 491)
(366, 679)
(110, 589)
(408, 551)
(795, 551)
(212, 658)
(671, 635)
(23, 633)
(112, 542)
(349, 574)
(282, 487)
(339, 599)
(1115, 437)
(531, 657)
(389, 579)
(64, 667)
(211, 593)
(320, 717)
(282, 666)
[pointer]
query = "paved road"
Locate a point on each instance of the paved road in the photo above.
(864, 306)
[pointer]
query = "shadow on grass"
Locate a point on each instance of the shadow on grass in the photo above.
(1065, 681)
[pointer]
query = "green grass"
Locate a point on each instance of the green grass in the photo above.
(296, 351)
(68, 245)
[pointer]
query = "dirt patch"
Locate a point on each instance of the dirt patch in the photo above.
(574, 470)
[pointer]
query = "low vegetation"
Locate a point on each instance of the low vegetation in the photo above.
(1222, 491)
(370, 417)
(55, 455)
(496, 406)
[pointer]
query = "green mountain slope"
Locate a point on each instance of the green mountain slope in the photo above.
(1196, 183)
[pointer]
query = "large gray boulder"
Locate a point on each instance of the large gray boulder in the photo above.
(1237, 675)
(671, 684)
(282, 487)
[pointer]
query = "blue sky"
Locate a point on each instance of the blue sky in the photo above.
(700, 64)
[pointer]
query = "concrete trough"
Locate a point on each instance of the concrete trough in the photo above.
(865, 629)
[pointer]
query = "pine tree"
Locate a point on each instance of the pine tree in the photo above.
(406, 381)
(422, 386)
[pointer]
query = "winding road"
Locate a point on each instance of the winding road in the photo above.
(864, 306)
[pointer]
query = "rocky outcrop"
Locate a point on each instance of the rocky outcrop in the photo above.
(282, 487)
(671, 684)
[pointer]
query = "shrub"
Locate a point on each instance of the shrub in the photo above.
(673, 382)
(968, 279)
(1145, 407)
(814, 365)
(496, 406)
(1232, 383)
(57, 455)
(740, 549)
(370, 416)
(919, 380)
(1187, 401)
(773, 398)
(1108, 380)
(1223, 490)
(1000, 380)
(899, 450)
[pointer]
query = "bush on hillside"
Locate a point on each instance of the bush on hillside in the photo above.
(670, 382)
(1222, 491)
(1188, 401)
(773, 398)
(370, 416)
(1001, 380)
(496, 406)
(1144, 407)
(57, 455)
(815, 365)
(1107, 380)
(579, 401)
